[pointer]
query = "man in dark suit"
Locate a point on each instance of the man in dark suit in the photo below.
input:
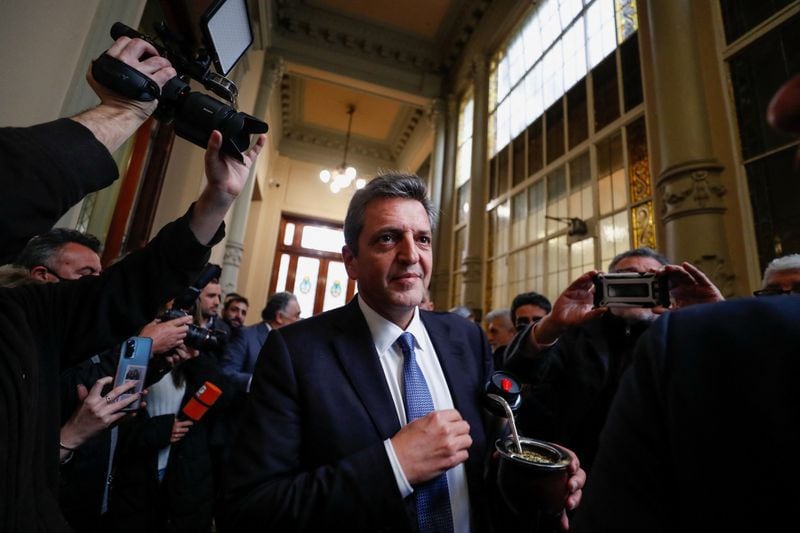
(335, 433)
(242, 351)
(702, 435)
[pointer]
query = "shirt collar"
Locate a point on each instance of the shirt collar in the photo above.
(384, 332)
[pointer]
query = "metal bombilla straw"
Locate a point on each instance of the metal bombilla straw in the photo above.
(510, 416)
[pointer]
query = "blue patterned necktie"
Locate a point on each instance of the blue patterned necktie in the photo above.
(432, 497)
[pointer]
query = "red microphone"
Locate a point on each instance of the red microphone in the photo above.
(196, 407)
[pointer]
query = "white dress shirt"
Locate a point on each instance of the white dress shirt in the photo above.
(384, 335)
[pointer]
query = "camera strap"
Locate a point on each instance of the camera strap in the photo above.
(124, 79)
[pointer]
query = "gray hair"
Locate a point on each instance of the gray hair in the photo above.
(637, 252)
(463, 312)
(391, 185)
(275, 304)
(779, 264)
(503, 314)
(41, 249)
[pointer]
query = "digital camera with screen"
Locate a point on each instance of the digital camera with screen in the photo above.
(631, 289)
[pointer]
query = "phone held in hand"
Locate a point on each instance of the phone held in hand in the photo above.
(134, 356)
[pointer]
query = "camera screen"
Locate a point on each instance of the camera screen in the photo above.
(629, 290)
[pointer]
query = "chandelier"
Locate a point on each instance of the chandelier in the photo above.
(343, 176)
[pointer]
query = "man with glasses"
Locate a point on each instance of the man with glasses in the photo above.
(703, 433)
(571, 360)
(782, 276)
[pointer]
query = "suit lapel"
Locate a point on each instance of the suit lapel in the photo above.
(450, 351)
(261, 332)
(355, 350)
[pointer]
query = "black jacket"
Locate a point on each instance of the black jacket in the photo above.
(184, 501)
(568, 388)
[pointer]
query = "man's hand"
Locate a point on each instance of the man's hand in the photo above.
(226, 179)
(575, 483)
(574, 306)
(117, 118)
(432, 444)
(689, 286)
(225, 174)
(166, 335)
(96, 412)
(179, 430)
(180, 354)
(143, 57)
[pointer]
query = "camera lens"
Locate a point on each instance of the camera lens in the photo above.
(130, 344)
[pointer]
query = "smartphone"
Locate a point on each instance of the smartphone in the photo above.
(631, 289)
(134, 355)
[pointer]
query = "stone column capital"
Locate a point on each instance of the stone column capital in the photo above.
(479, 66)
(435, 111)
(692, 189)
(274, 69)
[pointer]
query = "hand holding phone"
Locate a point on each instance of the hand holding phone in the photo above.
(134, 357)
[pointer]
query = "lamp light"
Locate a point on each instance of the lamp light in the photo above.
(343, 176)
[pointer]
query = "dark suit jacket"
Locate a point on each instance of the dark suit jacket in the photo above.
(241, 354)
(703, 432)
(310, 455)
(568, 388)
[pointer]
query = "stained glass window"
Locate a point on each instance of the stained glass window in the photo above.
(305, 284)
(335, 286)
(638, 163)
(627, 21)
(644, 230)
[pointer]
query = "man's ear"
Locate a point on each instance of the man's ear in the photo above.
(39, 273)
(350, 262)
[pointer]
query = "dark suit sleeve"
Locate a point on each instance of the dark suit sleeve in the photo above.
(45, 170)
(279, 481)
(232, 363)
(527, 362)
(629, 486)
(95, 312)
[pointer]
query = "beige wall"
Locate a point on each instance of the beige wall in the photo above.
(40, 45)
(45, 49)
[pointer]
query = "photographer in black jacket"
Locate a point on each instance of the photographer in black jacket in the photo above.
(43, 326)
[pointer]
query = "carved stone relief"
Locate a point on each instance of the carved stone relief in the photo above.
(692, 192)
(717, 269)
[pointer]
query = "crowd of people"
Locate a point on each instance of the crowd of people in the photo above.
(369, 417)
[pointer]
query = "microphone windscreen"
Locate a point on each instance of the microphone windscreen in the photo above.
(198, 405)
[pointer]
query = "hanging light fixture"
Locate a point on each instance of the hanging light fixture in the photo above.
(343, 176)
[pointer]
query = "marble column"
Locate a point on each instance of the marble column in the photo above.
(436, 120)
(441, 288)
(271, 75)
(472, 294)
(690, 196)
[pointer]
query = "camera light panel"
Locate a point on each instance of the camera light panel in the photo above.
(227, 27)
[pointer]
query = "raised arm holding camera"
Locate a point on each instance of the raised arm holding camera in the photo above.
(572, 359)
(47, 168)
(44, 324)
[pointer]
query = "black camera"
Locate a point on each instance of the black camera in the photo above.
(631, 289)
(195, 115)
(197, 337)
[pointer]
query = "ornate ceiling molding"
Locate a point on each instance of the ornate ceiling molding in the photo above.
(388, 152)
(296, 21)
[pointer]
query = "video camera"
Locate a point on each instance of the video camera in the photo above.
(226, 37)
(197, 337)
